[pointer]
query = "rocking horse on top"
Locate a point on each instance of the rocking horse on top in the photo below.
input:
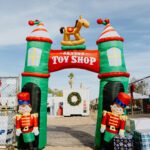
(78, 42)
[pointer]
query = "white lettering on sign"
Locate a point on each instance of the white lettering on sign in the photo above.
(86, 60)
(74, 59)
(60, 59)
(66, 58)
(92, 60)
(73, 53)
(54, 59)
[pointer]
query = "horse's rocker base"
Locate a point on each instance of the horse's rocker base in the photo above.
(74, 47)
(72, 42)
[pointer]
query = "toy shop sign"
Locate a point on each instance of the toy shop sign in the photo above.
(83, 59)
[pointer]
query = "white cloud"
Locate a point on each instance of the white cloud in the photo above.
(138, 64)
(14, 15)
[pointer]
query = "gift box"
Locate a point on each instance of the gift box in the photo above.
(6, 127)
(142, 139)
(137, 124)
(123, 143)
(130, 125)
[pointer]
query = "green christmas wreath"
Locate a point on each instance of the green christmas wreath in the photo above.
(72, 103)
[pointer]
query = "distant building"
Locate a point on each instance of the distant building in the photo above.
(75, 101)
(94, 104)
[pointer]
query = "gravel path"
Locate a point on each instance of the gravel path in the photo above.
(70, 133)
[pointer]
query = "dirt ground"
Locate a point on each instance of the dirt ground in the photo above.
(74, 133)
(70, 133)
(67, 148)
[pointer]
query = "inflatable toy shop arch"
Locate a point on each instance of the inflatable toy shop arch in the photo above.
(108, 62)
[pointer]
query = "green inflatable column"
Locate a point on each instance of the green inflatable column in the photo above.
(35, 76)
(113, 74)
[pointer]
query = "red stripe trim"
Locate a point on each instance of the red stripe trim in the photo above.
(113, 74)
(39, 29)
(41, 39)
(110, 39)
(107, 31)
(108, 25)
(40, 75)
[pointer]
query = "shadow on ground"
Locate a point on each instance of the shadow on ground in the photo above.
(73, 136)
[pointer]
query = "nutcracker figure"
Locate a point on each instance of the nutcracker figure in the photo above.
(26, 123)
(114, 122)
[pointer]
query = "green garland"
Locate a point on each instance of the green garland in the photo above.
(69, 99)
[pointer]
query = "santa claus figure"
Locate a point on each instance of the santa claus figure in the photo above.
(114, 122)
(26, 123)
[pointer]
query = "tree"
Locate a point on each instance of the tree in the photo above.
(55, 92)
(50, 91)
(140, 86)
(71, 76)
(59, 94)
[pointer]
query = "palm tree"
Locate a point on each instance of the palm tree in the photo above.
(71, 76)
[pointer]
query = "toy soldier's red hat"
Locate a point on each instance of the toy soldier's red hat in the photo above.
(23, 98)
(122, 99)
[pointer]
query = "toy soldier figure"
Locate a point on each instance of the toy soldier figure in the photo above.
(26, 123)
(114, 122)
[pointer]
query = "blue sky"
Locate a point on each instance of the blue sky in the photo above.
(130, 18)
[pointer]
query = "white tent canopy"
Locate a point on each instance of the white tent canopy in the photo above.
(139, 96)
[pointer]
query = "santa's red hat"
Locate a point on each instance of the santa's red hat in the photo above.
(23, 98)
(123, 99)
